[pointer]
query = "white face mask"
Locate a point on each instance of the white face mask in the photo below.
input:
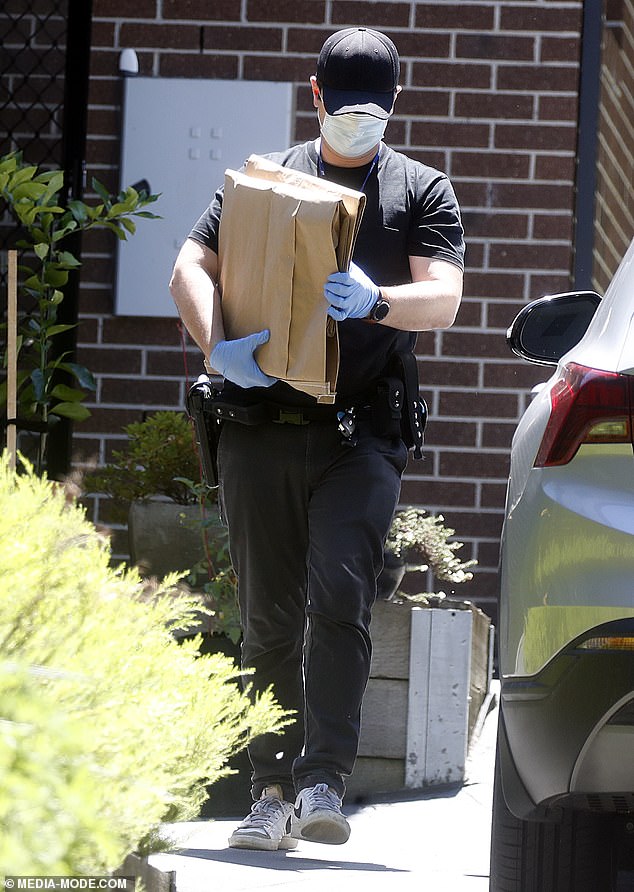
(352, 135)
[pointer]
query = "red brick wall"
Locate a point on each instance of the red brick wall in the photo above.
(490, 96)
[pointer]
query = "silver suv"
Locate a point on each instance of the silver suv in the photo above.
(563, 814)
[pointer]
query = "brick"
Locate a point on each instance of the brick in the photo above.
(124, 9)
(558, 108)
(553, 226)
(432, 103)
(481, 344)
(460, 16)
(196, 65)
(96, 300)
(452, 74)
(527, 256)
(219, 10)
(538, 78)
(487, 224)
(500, 315)
(102, 33)
(171, 363)
(303, 11)
(242, 39)
(420, 45)
(474, 254)
(425, 343)
(467, 404)
(531, 195)
(518, 375)
(532, 18)
(497, 435)
(469, 313)
(146, 392)
(488, 554)
(489, 284)
(174, 37)
(476, 464)
(449, 134)
(102, 120)
(555, 167)
(448, 373)
(100, 359)
(490, 165)
(495, 46)
(436, 492)
(560, 49)
(492, 495)
(351, 13)
(535, 137)
(451, 433)
(540, 284)
(277, 68)
(141, 330)
(110, 419)
(308, 40)
(494, 105)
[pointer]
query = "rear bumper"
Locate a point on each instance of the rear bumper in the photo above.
(550, 722)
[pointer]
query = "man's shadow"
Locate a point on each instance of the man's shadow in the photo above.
(281, 860)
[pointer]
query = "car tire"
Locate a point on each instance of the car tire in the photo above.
(573, 855)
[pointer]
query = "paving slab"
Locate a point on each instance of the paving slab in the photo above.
(435, 840)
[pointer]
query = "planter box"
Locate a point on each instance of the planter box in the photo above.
(430, 676)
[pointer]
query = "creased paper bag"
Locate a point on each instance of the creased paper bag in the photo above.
(282, 233)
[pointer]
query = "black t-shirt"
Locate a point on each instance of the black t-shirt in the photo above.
(411, 210)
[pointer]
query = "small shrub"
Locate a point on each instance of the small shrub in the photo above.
(158, 453)
(108, 726)
(421, 542)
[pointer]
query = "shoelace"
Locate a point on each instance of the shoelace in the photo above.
(322, 796)
(262, 811)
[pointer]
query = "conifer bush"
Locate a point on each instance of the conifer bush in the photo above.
(108, 726)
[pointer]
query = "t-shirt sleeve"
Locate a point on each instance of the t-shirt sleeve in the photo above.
(437, 227)
(206, 228)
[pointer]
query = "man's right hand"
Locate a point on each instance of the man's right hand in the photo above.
(235, 360)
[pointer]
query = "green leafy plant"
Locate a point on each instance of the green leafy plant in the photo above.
(419, 542)
(45, 223)
(161, 458)
(108, 726)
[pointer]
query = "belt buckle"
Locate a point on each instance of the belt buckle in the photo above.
(286, 416)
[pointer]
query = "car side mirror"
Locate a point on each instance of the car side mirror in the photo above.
(548, 327)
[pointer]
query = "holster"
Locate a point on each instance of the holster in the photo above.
(400, 386)
(199, 403)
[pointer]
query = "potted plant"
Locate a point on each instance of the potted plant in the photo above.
(430, 666)
(51, 387)
(173, 522)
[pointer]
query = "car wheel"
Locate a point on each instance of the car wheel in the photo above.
(573, 855)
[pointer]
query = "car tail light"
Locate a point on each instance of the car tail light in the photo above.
(608, 642)
(587, 406)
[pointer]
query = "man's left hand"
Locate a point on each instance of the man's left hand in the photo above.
(351, 295)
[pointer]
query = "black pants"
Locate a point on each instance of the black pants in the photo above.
(307, 518)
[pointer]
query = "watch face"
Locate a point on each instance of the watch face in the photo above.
(381, 309)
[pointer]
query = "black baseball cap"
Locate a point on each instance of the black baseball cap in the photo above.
(358, 71)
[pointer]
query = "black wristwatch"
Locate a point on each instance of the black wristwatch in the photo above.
(380, 310)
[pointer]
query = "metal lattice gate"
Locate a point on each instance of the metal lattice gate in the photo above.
(44, 68)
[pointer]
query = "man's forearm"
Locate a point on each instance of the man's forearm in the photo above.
(429, 302)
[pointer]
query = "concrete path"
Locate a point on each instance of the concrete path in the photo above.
(437, 842)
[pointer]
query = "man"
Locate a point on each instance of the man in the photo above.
(308, 510)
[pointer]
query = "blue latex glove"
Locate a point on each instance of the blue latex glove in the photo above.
(351, 295)
(236, 362)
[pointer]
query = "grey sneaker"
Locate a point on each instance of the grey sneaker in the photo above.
(317, 816)
(267, 826)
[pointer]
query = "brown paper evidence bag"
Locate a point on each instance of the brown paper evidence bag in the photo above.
(282, 233)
